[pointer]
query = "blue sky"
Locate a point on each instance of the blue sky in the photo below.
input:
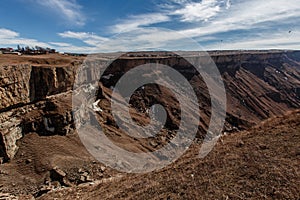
(126, 25)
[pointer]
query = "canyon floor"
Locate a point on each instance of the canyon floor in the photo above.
(257, 157)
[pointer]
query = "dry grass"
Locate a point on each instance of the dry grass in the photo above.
(262, 163)
(37, 60)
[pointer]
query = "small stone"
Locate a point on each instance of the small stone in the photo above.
(153, 143)
(240, 143)
(28, 161)
(89, 179)
(59, 171)
(102, 168)
(82, 178)
(47, 182)
(56, 184)
(56, 174)
(263, 147)
(44, 189)
(5, 131)
(85, 174)
(67, 182)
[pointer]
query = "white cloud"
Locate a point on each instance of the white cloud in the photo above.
(140, 39)
(187, 10)
(88, 38)
(6, 33)
(200, 11)
(70, 10)
(9, 38)
(61, 44)
(13, 42)
(80, 35)
(228, 4)
(281, 40)
(250, 15)
(12, 39)
(261, 19)
(138, 21)
(77, 49)
(179, 1)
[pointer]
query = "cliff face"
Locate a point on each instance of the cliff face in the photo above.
(36, 93)
(14, 85)
(258, 84)
(25, 83)
(29, 93)
(261, 85)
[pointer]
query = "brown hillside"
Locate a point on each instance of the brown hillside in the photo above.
(261, 163)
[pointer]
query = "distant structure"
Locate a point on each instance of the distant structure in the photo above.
(34, 51)
(8, 50)
(27, 50)
(73, 54)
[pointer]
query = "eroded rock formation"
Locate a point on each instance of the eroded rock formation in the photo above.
(33, 99)
(36, 92)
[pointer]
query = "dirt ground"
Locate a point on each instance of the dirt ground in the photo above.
(47, 59)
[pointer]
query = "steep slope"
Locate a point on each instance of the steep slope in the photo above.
(261, 163)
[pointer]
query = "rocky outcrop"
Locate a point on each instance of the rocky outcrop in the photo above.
(29, 96)
(46, 81)
(10, 133)
(46, 117)
(14, 85)
(23, 84)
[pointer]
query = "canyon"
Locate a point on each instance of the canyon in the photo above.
(39, 144)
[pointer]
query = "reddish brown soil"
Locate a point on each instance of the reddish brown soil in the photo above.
(39, 154)
(47, 59)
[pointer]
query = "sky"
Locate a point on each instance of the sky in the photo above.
(90, 26)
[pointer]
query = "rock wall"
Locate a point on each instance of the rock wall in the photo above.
(29, 96)
(14, 85)
(258, 84)
(45, 81)
(24, 83)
